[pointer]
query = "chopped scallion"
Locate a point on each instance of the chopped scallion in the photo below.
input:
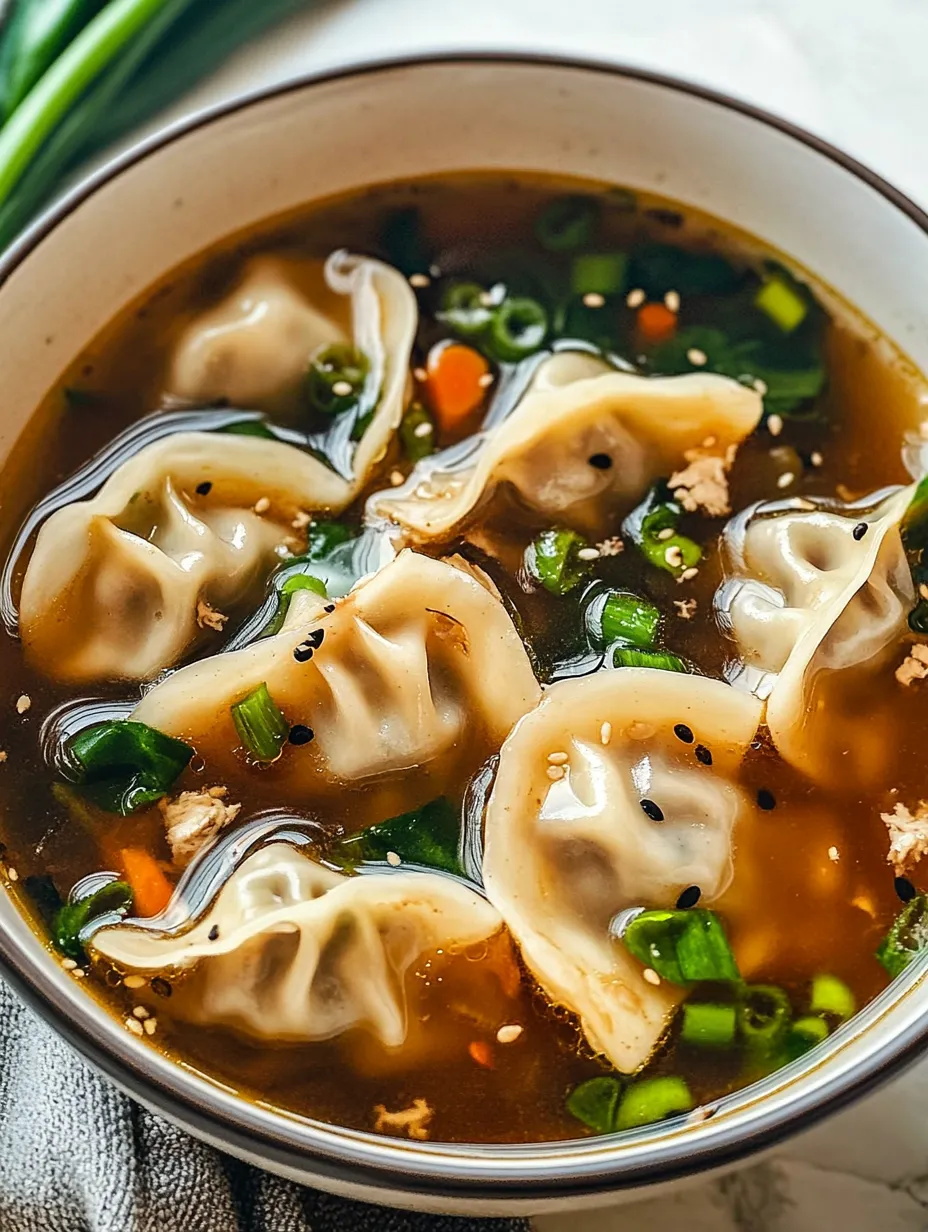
(260, 724)
(123, 766)
(832, 996)
(303, 581)
(653, 1099)
(417, 433)
(595, 1103)
(336, 378)
(660, 660)
(684, 947)
(600, 273)
(553, 560)
(764, 1014)
(465, 308)
(518, 329)
(706, 1025)
(673, 553)
(567, 223)
(779, 299)
(430, 836)
(624, 617)
(804, 1034)
(907, 937)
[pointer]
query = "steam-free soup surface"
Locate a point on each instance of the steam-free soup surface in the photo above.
(493, 1055)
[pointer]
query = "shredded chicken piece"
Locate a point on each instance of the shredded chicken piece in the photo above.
(209, 618)
(301, 520)
(414, 1119)
(611, 547)
(193, 818)
(703, 484)
(914, 666)
(908, 835)
(686, 608)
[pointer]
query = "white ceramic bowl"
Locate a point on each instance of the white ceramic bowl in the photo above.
(181, 192)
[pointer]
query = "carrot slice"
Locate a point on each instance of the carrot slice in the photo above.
(151, 890)
(481, 1053)
(455, 385)
(655, 322)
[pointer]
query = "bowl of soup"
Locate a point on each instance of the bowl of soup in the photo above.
(465, 630)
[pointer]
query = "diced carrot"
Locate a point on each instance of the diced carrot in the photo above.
(151, 890)
(455, 386)
(481, 1052)
(655, 322)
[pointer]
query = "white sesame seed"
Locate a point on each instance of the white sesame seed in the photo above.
(666, 533)
(486, 380)
(816, 459)
(23, 703)
(262, 505)
(834, 855)
(688, 574)
(588, 554)
(133, 1025)
(509, 1033)
(558, 759)
(396, 478)
(651, 976)
(696, 357)
(135, 981)
(774, 425)
(141, 1013)
(420, 374)
(635, 298)
(487, 299)
(150, 1026)
(672, 301)
(12, 874)
(68, 963)
(673, 556)
(593, 299)
(423, 429)
(78, 973)
(555, 773)
(301, 520)
(393, 859)
(341, 389)
(760, 386)
(605, 732)
(419, 280)
(709, 443)
(785, 479)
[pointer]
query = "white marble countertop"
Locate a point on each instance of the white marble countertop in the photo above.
(854, 72)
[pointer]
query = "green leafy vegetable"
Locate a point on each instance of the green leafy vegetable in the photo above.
(567, 223)
(706, 1025)
(123, 766)
(596, 1102)
(653, 1099)
(907, 937)
(602, 273)
(764, 1014)
(260, 724)
(661, 660)
(336, 377)
(659, 268)
(323, 537)
(684, 947)
(430, 835)
(417, 433)
(832, 996)
(554, 561)
(77, 913)
(518, 328)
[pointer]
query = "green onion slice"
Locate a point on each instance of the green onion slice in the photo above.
(518, 329)
(707, 1025)
(780, 300)
(430, 835)
(653, 1099)
(288, 588)
(567, 223)
(621, 616)
(260, 724)
(465, 308)
(661, 660)
(675, 553)
(77, 913)
(832, 996)
(554, 561)
(684, 947)
(764, 1014)
(602, 273)
(336, 377)
(417, 433)
(907, 937)
(804, 1034)
(123, 766)
(595, 1103)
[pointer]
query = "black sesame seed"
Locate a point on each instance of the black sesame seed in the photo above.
(904, 889)
(329, 608)
(703, 755)
(684, 733)
(303, 653)
(860, 530)
(213, 933)
(652, 810)
(766, 799)
(689, 898)
(315, 638)
(300, 734)
(601, 461)
(204, 489)
(161, 987)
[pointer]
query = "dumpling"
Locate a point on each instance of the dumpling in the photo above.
(407, 684)
(582, 443)
(253, 349)
(292, 950)
(569, 844)
(814, 589)
(115, 584)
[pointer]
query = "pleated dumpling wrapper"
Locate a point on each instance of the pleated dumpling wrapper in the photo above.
(569, 845)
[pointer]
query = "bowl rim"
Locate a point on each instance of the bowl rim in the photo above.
(306, 1148)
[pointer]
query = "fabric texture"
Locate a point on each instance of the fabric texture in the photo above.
(76, 1155)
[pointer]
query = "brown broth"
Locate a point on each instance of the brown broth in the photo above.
(794, 910)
